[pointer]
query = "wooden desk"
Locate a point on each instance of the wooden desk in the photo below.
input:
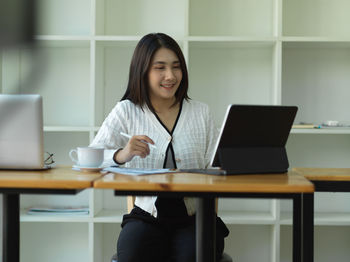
(207, 187)
(62, 180)
(327, 179)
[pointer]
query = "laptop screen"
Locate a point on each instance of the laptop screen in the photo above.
(21, 132)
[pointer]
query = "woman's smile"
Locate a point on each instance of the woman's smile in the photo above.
(168, 86)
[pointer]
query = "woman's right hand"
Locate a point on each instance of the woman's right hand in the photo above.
(136, 146)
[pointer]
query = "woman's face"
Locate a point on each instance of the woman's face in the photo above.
(165, 75)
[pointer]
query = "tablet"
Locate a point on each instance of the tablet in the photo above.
(252, 139)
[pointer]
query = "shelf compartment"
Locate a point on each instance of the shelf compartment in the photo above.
(321, 219)
(332, 202)
(238, 39)
(230, 42)
(245, 241)
(65, 89)
(112, 72)
(73, 238)
(316, 18)
(108, 207)
(69, 128)
(314, 76)
(43, 41)
(330, 209)
(246, 211)
(60, 143)
(110, 216)
(105, 39)
(317, 40)
(138, 17)
(230, 72)
(330, 243)
(317, 151)
(76, 15)
(231, 18)
(51, 200)
(247, 218)
(105, 241)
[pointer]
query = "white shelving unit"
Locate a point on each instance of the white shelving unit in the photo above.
(291, 52)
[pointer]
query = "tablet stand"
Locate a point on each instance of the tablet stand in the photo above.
(250, 160)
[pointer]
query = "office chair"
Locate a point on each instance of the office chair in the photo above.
(130, 204)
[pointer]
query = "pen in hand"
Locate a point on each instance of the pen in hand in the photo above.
(129, 136)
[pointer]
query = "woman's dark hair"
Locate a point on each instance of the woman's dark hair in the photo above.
(138, 85)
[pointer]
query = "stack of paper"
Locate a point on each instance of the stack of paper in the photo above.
(58, 211)
(138, 171)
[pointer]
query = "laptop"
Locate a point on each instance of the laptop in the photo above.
(21, 132)
(252, 139)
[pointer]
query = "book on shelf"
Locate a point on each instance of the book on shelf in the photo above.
(306, 126)
(334, 124)
(326, 124)
(58, 210)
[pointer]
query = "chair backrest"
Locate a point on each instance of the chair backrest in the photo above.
(130, 200)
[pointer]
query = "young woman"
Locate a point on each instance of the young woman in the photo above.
(156, 109)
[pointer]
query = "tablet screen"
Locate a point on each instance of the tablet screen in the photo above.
(254, 126)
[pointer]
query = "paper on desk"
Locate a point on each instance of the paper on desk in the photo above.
(138, 171)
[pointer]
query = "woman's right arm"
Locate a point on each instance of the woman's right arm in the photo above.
(118, 148)
(108, 135)
(136, 146)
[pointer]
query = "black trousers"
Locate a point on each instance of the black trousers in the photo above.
(143, 241)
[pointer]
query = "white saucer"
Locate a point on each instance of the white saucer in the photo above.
(86, 168)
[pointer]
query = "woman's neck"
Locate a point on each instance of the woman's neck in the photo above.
(161, 106)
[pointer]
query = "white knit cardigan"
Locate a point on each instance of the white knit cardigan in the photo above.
(193, 140)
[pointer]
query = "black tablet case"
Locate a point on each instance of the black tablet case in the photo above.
(254, 138)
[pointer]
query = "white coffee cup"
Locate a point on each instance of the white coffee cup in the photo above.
(87, 156)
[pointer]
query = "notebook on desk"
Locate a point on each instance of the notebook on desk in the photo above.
(21, 132)
(252, 139)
